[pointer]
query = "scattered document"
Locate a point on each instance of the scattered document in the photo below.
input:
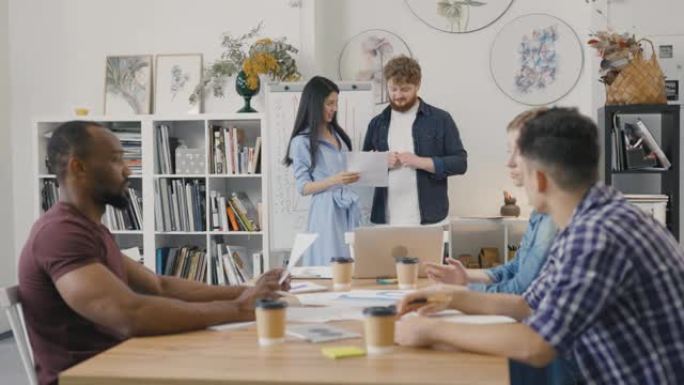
(365, 298)
(233, 326)
(318, 299)
(311, 272)
(354, 298)
(302, 242)
(298, 287)
(320, 333)
(372, 167)
(456, 316)
(322, 314)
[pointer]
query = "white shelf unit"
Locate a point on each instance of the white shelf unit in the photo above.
(194, 131)
(506, 224)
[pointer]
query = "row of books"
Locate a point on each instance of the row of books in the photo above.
(165, 147)
(131, 141)
(228, 266)
(49, 194)
(234, 213)
(230, 155)
(187, 262)
(180, 205)
(115, 219)
(634, 147)
(129, 218)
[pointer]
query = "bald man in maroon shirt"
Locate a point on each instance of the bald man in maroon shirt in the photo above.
(79, 294)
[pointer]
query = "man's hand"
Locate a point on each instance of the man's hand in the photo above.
(265, 287)
(454, 273)
(409, 159)
(430, 300)
(393, 160)
(414, 331)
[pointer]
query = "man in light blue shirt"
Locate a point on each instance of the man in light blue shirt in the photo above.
(517, 275)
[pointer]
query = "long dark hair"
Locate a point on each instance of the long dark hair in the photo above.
(310, 116)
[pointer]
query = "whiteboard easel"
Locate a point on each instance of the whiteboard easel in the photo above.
(287, 210)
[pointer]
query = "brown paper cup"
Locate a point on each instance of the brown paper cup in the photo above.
(270, 324)
(407, 273)
(342, 272)
(379, 329)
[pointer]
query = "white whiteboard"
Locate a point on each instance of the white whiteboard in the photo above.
(287, 210)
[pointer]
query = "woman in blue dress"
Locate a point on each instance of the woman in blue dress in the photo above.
(316, 152)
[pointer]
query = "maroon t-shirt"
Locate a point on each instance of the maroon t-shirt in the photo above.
(62, 240)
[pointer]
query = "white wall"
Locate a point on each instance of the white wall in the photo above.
(59, 47)
(7, 266)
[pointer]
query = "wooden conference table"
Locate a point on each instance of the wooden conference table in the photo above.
(233, 357)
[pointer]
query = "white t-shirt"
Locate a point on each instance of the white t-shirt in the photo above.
(402, 192)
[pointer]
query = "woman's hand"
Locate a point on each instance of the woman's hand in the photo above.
(343, 178)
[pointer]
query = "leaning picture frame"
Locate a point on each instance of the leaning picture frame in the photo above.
(176, 76)
(128, 82)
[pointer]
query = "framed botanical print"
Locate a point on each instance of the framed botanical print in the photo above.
(176, 79)
(128, 81)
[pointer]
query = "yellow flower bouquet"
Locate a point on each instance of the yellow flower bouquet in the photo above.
(272, 57)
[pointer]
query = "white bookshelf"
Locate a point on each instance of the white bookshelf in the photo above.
(194, 131)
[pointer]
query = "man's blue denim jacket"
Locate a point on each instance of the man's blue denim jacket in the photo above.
(434, 136)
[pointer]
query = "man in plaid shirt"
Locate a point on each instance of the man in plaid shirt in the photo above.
(611, 294)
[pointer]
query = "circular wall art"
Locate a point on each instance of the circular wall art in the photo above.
(536, 59)
(455, 16)
(365, 55)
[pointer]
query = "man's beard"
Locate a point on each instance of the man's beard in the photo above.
(407, 106)
(118, 200)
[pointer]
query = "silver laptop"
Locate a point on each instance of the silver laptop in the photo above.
(375, 248)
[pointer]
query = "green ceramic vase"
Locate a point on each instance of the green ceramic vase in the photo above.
(244, 91)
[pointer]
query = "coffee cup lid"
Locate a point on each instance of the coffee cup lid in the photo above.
(379, 311)
(270, 304)
(411, 260)
(341, 260)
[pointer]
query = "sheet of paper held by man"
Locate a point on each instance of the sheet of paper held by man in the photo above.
(372, 167)
(302, 242)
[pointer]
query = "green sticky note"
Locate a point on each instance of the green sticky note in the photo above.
(335, 352)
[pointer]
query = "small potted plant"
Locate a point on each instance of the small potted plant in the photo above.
(265, 56)
(510, 209)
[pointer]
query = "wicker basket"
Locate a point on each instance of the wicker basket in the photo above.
(640, 82)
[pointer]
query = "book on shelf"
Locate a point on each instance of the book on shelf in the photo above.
(165, 145)
(131, 141)
(257, 264)
(126, 219)
(635, 148)
(180, 204)
(653, 145)
(228, 264)
(231, 155)
(637, 154)
(234, 213)
(188, 262)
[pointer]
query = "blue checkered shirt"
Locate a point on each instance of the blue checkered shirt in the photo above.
(611, 294)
